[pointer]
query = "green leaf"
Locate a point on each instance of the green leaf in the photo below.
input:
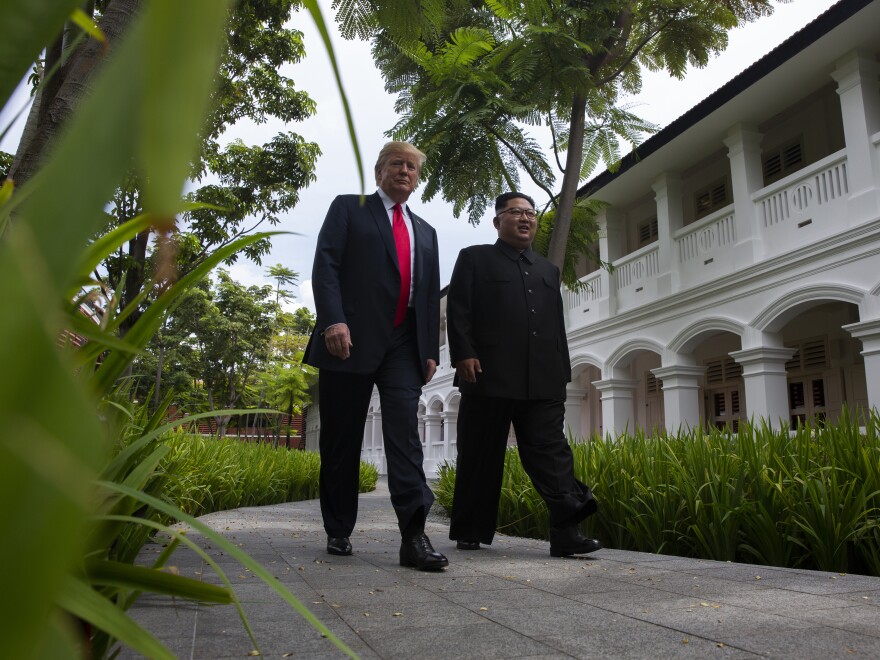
(26, 26)
(141, 578)
(87, 25)
(231, 549)
(173, 69)
(147, 325)
(82, 601)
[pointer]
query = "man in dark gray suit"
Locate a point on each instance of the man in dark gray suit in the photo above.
(508, 345)
(376, 280)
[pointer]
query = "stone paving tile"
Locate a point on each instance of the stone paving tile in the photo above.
(499, 598)
(444, 642)
(638, 602)
(862, 619)
(508, 600)
(361, 596)
(646, 643)
(718, 622)
(820, 643)
(397, 616)
(181, 647)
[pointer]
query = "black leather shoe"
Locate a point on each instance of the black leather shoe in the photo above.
(569, 541)
(468, 545)
(338, 545)
(418, 551)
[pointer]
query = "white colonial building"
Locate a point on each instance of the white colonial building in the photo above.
(745, 243)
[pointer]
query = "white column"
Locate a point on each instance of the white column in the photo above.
(856, 76)
(450, 435)
(367, 443)
(681, 396)
(743, 144)
(422, 432)
(618, 410)
(765, 383)
(377, 443)
(432, 435)
(611, 247)
(670, 217)
(868, 332)
(574, 398)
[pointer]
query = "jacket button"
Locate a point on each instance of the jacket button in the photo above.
(533, 310)
(535, 333)
(526, 272)
(530, 290)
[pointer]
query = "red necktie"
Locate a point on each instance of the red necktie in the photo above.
(401, 241)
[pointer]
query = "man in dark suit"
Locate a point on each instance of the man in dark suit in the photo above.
(508, 345)
(376, 280)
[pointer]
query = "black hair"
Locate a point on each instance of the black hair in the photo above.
(501, 200)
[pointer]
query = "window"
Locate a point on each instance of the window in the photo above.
(782, 161)
(711, 198)
(806, 382)
(647, 232)
(810, 354)
(653, 385)
(723, 393)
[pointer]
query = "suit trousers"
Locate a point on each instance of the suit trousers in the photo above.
(483, 427)
(344, 401)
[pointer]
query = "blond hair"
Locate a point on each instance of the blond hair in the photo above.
(391, 148)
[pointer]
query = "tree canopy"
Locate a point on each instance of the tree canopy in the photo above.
(238, 187)
(475, 79)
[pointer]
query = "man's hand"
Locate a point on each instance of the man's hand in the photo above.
(467, 370)
(430, 370)
(338, 341)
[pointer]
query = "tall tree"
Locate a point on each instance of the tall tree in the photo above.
(474, 77)
(245, 186)
(283, 277)
(230, 338)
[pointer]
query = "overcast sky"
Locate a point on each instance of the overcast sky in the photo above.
(661, 101)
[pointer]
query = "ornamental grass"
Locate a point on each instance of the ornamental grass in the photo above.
(206, 474)
(808, 498)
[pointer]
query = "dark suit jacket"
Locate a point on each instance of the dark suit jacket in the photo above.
(356, 280)
(506, 310)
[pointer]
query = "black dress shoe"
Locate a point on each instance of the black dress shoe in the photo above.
(569, 541)
(468, 545)
(338, 545)
(418, 551)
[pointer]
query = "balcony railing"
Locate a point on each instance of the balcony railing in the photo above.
(636, 268)
(796, 211)
(591, 291)
(705, 237)
(803, 201)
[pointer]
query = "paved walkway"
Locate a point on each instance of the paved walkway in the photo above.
(511, 600)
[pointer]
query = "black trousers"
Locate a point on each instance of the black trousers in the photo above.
(344, 401)
(483, 425)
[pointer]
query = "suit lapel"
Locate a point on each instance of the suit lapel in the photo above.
(421, 243)
(380, 217)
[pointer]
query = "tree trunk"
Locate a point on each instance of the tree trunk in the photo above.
(134, 277)
(570, 181)
(73, 84)
(157, 386)
(289, 420)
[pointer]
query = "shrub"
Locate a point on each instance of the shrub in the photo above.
(808, 498)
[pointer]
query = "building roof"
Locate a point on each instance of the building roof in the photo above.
(801, 64)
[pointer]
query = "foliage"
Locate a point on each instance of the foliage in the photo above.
(474, 78)
(61, 409)
(806, 499)
(244, 186)
(203, 475)
(5, 164)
